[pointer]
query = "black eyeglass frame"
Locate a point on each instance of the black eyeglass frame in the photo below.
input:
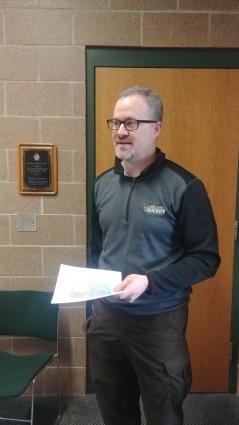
(137, 122)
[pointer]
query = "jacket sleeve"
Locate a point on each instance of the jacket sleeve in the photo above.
(198, 232)
(95, 246)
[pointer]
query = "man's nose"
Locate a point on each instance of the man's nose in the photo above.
(122, 129)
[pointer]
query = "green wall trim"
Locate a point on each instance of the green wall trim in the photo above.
(139, 57)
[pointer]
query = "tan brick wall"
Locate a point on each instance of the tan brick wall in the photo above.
(42, 100)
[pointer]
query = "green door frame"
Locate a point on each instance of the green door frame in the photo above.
(235, 299)
(139, 57)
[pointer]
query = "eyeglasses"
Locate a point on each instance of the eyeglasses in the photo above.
(130, 124)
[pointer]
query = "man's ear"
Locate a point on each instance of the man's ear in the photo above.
(157, 127)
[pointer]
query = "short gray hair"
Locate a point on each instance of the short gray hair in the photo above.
(152, 99)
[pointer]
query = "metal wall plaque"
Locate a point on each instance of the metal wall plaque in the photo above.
(37, 169)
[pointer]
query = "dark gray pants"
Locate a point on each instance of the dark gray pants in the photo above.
(133, 356)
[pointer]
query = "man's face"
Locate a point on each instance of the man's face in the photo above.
(138, 145)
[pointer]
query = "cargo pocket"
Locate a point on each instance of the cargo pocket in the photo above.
(86, 324)
(180, 378)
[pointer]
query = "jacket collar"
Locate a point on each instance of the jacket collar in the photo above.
(150, 169)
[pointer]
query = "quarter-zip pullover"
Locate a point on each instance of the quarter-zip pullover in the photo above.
(160, 224)
(133, 181)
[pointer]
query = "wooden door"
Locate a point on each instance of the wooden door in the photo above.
(200, 131)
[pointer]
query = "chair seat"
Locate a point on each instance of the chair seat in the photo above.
(16, 372)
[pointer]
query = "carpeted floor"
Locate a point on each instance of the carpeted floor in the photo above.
(200, 409)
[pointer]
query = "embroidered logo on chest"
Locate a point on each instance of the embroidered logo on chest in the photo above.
(154, 209)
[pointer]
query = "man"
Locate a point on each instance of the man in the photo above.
(152, 220)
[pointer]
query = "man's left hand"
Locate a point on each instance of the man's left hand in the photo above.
(132, 286)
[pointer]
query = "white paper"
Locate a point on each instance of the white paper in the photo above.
(76, 284)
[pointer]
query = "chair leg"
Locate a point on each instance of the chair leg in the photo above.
(30, 420)
(32, 402)
(58, 392)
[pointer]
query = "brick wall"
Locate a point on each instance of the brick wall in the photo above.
(42, 100)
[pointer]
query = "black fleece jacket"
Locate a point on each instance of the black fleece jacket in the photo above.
(160, 224)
